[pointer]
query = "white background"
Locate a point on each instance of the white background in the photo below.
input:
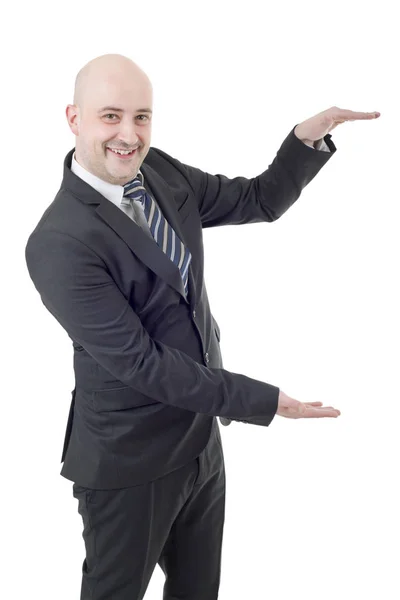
(308, 303)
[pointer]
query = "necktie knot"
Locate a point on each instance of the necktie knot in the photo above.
(134, 190)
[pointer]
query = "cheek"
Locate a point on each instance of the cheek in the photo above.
(101, 145)
(102, 136)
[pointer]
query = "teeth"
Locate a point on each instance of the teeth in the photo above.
(121, 151)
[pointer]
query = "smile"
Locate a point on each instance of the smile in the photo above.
(123, 154)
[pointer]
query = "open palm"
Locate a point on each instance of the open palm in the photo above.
(293, 409)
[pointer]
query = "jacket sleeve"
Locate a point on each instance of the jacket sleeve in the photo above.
(265, 198)
(77, 289)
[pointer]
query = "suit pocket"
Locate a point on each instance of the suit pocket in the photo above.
(122, 398)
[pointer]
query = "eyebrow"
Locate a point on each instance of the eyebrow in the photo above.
(114, 108)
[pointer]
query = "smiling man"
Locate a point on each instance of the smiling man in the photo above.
(111, 118)
(118, 260)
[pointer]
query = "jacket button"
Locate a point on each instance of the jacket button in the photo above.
(207, 357)
(194, 314)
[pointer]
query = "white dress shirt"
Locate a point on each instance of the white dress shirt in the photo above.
(114, 193)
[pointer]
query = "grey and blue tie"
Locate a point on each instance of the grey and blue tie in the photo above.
(160, 229)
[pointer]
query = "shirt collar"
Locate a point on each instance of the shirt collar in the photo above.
(111, 191)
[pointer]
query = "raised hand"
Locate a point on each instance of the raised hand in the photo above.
(316, 127)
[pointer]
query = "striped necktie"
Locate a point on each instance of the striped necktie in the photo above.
(160, 229)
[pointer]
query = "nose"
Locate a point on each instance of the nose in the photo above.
(128, 134)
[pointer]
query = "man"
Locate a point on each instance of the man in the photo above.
(117, 258)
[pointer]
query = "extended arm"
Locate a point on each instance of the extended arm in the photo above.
(79, 292)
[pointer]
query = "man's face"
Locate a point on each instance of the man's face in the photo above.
(99, 126)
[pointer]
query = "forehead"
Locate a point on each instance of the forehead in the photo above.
(129, 94)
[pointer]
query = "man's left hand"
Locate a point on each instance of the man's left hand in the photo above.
(317, 127)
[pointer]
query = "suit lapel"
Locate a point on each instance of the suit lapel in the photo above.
(144, 247)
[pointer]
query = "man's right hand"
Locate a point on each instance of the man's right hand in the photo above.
(293, 409)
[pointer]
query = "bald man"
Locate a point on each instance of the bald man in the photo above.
(117, 258)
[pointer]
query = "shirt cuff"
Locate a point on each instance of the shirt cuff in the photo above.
(318, 145)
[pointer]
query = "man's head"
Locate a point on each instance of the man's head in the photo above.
(107, 83)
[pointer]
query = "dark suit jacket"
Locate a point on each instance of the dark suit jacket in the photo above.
(149, 378)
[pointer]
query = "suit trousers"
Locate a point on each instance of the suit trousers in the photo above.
(175, 521)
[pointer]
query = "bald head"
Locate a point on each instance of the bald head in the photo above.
(112, 111)
(106, 71)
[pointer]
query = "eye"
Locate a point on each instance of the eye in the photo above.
(114, 115)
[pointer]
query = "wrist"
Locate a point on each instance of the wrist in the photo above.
(305, 140)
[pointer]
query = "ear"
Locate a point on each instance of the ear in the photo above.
(72, 117)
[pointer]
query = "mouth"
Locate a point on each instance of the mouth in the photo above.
(124, 155)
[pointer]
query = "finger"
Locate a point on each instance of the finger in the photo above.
(319, 404)
(317, 413)
(351, 115)
(326, 408)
